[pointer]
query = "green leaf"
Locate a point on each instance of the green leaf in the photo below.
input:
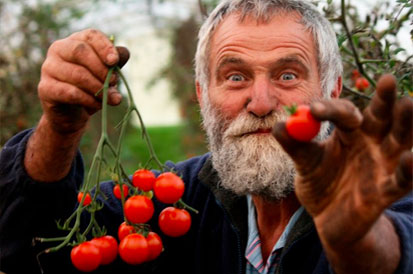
(329, 2)
(356, 41)
(398, 50)
(386, 50)
(341, 39)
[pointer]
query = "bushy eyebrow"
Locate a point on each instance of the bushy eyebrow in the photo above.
(229, 60)
(291, 60)
(279, 63)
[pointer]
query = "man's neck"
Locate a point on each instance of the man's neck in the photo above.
(272, 218)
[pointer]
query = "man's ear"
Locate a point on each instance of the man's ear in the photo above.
(199, 93)
(337, 88)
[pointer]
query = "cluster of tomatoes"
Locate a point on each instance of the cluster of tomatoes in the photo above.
(137, 244)
(360, 82)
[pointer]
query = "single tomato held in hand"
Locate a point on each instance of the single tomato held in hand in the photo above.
(138, 209)
(301, 125)
(168, 188)
(86, 257)
(174, 222)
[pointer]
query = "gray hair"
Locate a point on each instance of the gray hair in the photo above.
(329, 60)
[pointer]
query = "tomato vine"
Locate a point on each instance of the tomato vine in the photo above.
(140, 200)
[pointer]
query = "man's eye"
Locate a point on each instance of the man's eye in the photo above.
(288, 76)
(236, 78)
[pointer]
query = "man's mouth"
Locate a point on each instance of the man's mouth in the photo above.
(258, 131)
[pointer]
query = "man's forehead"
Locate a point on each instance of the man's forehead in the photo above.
(283, 29)
(252, 26)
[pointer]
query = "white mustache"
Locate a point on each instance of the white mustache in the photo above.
(246, 123)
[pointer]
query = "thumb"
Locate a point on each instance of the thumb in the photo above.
(123, 56)
(306, 155)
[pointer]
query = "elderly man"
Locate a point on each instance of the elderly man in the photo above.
(337, 206)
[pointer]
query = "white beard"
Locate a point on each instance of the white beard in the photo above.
(249, 163)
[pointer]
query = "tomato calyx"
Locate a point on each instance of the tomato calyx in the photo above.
(291, 110)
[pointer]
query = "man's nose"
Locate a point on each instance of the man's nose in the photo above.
(261, 101)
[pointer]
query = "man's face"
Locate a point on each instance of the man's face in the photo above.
(256, 69)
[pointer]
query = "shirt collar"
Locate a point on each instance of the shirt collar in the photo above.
(253, 229)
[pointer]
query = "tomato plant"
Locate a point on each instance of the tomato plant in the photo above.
(86, 257)
(355, 74)
(87, 200)
(174, 222)
(108, 247)
(362, 83)
(143, 179)
(168, 188)
(138, 209)
(124, 230)
(133, 249)
(155, 245)
(301, 125)
(117, 193)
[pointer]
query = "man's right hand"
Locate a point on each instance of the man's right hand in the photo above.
(73, 72)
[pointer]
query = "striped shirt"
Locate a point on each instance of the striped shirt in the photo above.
(255, 264)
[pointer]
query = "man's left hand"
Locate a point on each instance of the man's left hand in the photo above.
(347, 181)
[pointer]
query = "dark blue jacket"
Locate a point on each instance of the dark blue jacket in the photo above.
(215, 244)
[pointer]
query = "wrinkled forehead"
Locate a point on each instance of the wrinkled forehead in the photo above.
(250, 22)
(280, 26)
(283, 29)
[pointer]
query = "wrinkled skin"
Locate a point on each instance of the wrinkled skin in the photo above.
(373, 168)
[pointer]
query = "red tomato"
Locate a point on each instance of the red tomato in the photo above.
(138, 209)
(301, 125)
(174, 222)
(355, 74)
(116, 191)
(124, 230)
(87, 200)
(362, 83)
(168, 188)
(108, 247)
(155, 245)
(133, 249)
(143, 179)
(86, 257)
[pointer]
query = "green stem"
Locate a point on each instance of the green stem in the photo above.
(352, 46)
(143, 128)
(359, 94)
